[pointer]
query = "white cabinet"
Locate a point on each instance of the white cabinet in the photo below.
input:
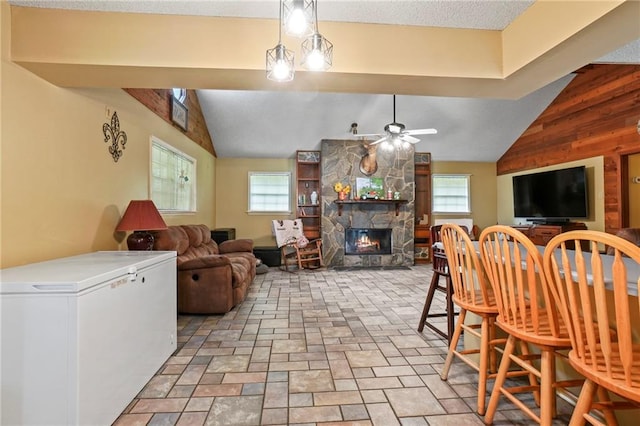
(82, 335)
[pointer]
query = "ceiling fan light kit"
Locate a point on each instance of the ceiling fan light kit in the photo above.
(317, 51)
(396, 136)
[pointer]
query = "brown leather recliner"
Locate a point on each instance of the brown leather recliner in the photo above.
(212, 278)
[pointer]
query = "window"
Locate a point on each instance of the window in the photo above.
(451, 193)
(180, 94)
(269, 192)
(173, 178)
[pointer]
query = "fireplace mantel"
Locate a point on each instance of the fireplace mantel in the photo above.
(397, 203)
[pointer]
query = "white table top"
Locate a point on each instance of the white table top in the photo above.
(633, 268)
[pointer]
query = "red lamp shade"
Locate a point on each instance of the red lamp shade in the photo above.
(141, 216)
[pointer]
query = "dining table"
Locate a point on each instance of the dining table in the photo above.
(633, 268)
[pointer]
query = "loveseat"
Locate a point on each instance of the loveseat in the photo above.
(212, 278)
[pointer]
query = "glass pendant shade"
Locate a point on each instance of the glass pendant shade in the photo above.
(280, 63)
(298, 17)
(317, 53)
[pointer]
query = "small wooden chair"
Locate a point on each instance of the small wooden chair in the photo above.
(295, 248)
(440, 269)
(472, 293)
(599, 289)
(528, 313)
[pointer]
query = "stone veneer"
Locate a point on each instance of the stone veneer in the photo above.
(340, 162)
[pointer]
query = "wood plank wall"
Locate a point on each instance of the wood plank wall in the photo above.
(596, 114)
(159, 101)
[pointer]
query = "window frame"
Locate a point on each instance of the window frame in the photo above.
(434, 204)
(289, 176)
(193, 203)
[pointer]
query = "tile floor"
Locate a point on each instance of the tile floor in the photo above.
(316, 348)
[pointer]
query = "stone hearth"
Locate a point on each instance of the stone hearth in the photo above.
(340, 162)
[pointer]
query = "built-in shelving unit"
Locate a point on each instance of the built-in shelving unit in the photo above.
(308, 182)
(422, 232)
(397, 203)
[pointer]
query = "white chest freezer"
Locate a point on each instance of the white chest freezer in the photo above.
(82, 335)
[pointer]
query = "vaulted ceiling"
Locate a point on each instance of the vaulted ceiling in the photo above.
(478, 71)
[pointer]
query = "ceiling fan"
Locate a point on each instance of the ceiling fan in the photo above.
(396, 133)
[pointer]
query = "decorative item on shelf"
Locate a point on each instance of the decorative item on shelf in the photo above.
(342, 190)
(314, 197)
(141, 216)
(117, 137)
(396, 195)
(422, 158)
(369, 188)
(309, 156)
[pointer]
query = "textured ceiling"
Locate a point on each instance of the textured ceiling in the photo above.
(275, 124)
(478, 14)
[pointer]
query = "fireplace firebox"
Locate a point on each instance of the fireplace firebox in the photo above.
(367, 241)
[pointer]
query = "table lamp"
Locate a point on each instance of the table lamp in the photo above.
(141, 216)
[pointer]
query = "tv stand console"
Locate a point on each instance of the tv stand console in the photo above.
(542, 234)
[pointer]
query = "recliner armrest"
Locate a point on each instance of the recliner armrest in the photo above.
(203, 262)
(231, 246)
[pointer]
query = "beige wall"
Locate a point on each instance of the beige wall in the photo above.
(232, 196)
(483, 189)
(232, 193)
(595, 183)
(62, 193)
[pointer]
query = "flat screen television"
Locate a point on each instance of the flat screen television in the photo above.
(553, 196)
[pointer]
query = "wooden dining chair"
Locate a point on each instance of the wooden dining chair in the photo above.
(472, 293)
(593, 288)
(528, 313)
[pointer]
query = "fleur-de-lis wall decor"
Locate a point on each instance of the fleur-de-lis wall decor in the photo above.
(113, 134)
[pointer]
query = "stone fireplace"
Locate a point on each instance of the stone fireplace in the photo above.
(367, 221)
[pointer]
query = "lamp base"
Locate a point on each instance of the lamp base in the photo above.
(140, 240)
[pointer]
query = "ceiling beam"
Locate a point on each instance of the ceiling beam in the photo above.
(73, 48)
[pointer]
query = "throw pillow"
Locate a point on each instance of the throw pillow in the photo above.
(302, 242)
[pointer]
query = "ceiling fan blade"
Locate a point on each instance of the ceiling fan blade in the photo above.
(368, 135)
(382, 139)
(407, 138)
(421, 132)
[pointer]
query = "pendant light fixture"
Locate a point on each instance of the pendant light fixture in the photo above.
(297, 17)
(280, 60)
(317, 51)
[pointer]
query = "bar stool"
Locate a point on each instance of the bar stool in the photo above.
(528, 313)
(472, 293)
(592, 288)
(440, 269)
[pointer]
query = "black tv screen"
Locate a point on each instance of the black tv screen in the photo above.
(554, 195)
